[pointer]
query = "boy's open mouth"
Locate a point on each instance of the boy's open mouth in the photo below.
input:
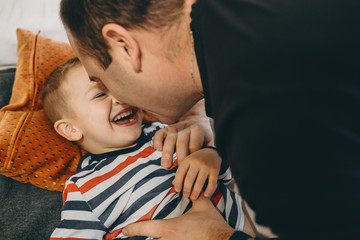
(126, 116)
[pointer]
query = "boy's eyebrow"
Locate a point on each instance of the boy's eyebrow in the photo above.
(92, 87)
(97, 85)
(100, 84)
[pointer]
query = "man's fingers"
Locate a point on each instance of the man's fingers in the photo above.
(168, 150)
(151, 228)
(197, 139)
(182, 144)
(158, 139)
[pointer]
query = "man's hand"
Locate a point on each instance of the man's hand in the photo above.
(194, 170)
(193, 131)
(201, 222)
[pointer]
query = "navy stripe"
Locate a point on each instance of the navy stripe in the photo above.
(152, 124)
(225, 182)
(148, 124)
(141, 141)
(105, 215)
(101, 197)
(188, 207)
(142, 201)
(132, 238)
(82, 225)
(157, 173)
(81, 161)
(233, 216)
(223, 167)
(111, 156)
(76, 206)
(93, 169)
(169, 207)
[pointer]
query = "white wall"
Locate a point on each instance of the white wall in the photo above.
(33, 15)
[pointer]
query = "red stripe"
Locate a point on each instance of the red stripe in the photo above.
(216, 197)
(146, 217)
(174, 165)
(97, 180)
(70, 188)
(172, 190)
(113, 234)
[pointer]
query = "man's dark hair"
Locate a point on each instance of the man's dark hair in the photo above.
(86, 18)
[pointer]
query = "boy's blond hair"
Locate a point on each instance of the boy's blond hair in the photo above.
(54, 100)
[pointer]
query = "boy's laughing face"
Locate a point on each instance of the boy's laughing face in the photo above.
(105, 123)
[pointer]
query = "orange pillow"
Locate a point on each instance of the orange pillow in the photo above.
(30, 149)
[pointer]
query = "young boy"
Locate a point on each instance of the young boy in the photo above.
(121, 180)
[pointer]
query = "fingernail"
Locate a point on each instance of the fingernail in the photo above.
(125, 232)
(166, 163)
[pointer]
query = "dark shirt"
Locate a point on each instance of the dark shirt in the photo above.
(282, 81)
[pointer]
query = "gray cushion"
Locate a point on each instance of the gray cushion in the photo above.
(6, 83)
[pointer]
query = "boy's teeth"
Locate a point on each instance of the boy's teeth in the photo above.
(123, 115)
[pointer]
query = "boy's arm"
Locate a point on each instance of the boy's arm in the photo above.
(188, 135)
(77, 219)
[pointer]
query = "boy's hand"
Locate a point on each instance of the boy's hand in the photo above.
(194, 170)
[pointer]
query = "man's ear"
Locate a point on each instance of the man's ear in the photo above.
(67, 130)
(119, 39)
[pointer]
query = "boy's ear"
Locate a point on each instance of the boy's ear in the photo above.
(120, 40)
(67, 130)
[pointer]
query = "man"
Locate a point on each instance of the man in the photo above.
(281, 80)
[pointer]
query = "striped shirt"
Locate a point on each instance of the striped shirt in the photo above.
(111, 190)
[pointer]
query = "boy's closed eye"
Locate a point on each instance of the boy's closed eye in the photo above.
(100, 95)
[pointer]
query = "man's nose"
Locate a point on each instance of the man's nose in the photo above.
(115, 101)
